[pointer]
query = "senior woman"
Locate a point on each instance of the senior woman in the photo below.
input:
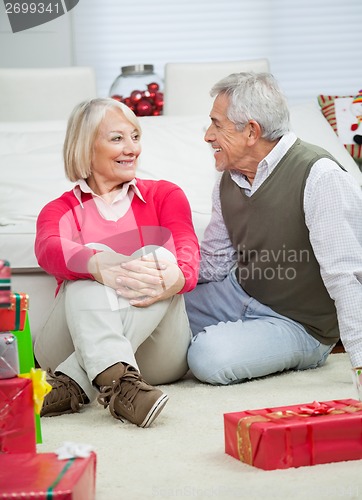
(123, 251)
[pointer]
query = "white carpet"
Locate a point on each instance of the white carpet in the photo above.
(182, 454)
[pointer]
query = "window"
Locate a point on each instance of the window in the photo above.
(313, 46)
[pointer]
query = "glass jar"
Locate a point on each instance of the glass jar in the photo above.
(140, 88)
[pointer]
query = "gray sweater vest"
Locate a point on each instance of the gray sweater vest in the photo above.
(276, 262)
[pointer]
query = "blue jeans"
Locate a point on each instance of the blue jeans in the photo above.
(237, 338)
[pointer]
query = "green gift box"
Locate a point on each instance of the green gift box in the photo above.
(26, 361)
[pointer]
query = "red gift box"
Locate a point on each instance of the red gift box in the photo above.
(13, 318)
(294, 436)
(17, 422)
(5, 284)
(44, 476)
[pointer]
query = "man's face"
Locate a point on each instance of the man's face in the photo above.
(230, 144)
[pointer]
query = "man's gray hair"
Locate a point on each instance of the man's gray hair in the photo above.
(255, 96)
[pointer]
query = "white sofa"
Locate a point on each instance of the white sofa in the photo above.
(180, 100)
(44, 93)
(31, 174)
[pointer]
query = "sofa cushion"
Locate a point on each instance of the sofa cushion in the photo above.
(339, 112)
(173, 148)
(31, 169)
(309, 124)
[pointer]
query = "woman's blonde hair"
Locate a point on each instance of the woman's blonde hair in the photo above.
(82, 130)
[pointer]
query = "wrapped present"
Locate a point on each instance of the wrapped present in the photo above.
(27, 361)
(13, 318)
(294, 436)
(357, 381)
(5, 284)
(9, 357)
(45, 476)
(17, 418)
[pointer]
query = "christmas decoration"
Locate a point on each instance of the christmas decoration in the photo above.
(40, 386)
(144, 102)
(356, 109)
(139, 88)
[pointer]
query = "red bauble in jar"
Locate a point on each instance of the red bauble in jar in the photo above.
(140, 88)
(135, 96)
(144, 107)
(158, 100)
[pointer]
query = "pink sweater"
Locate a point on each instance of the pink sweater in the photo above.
(64, 228)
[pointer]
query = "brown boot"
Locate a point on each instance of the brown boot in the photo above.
(132, 398)
(65, 397)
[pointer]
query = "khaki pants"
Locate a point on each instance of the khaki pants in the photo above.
(90, 328)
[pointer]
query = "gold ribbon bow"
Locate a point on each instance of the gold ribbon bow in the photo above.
(40, 386)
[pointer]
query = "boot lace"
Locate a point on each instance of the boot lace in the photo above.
(64, 388)
(126, 388)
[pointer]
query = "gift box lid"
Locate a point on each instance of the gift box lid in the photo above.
(13, 317)
(44, 476)
(19, 301)
(335, 408)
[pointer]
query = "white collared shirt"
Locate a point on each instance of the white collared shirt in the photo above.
(119, 205)
(333, 215)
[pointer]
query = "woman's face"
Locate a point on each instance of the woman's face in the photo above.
(115, 153)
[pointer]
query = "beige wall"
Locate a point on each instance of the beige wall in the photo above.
(48, 45)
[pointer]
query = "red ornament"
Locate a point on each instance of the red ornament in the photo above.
(144, 107)
(153, 87)
(128, 103)
(158, 99)
(144, 102)
(135, 96)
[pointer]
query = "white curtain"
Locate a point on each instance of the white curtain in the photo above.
(314, 46)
